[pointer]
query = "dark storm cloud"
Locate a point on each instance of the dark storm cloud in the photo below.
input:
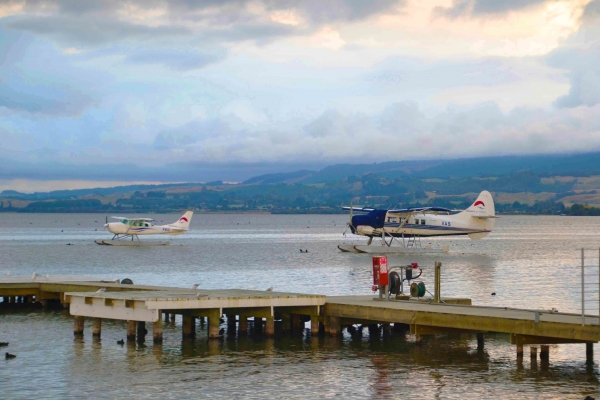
(77, 31)
(96, 23)
(484, 7)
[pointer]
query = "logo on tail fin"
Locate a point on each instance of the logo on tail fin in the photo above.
(183, 219)
(479, 203)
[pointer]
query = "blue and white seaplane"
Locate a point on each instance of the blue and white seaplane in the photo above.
(134, 227)
(408, 225)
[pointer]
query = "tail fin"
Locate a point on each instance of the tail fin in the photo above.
(481, 215)
(483, 207)
(184, 221)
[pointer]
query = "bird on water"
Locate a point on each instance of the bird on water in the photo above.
(3, 344)
(121, 342)
(9, 356)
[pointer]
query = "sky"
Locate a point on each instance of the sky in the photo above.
(97, 93)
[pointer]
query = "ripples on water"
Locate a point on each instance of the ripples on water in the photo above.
(529, 262)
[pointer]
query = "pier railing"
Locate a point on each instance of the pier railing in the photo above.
(590, 282)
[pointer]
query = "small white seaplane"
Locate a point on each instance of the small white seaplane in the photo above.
(410, 224)
(134, 227)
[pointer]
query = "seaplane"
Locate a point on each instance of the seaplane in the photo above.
(408, 225)
(132, 228)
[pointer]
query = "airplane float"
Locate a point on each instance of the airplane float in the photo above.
(134, 227)
(410, 224)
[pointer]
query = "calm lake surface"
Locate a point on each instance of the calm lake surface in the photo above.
(529, 262)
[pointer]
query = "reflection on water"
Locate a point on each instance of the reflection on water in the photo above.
(528, 262)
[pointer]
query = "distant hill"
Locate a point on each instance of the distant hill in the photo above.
(563, 165)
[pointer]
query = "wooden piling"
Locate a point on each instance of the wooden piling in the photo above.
(157, 331)
(172, 318)
(544, 352)
(270, 326)
(79, 324)
(519, 351)
(286, 323)
(480, 340)
(166, 317)
(589, 352)
(141, 331)
(258, 324)
(533, 352)
(187, 328)
(231, 323)
(334, 326)
(314, 325)
(214, 316)
(131, 325)
(97, 327)
(297, 324)
(243, 326)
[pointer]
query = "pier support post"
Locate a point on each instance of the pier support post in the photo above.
(270, 326)
(172, 318)
(544, 352)
(480, 340)
(141, 331)
(519, 351)
(79, 324)
(533, 352)
(297, 324)
(334, 326)
(286, 323)
(166, 317)
(258, 324)
(214, 315)
(131, 331)
(157, 331)
(589, 353)
(314, 325)
(231, 323)
(243, 326)
(187, 328)
(97, 327)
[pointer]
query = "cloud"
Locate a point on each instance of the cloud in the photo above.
(82, 23)
(478, 8)
(180, 60)
(39, 80)
(579, 57)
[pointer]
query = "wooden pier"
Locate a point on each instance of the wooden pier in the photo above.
(96, 299)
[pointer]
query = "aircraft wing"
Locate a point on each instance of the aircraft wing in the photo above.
(359, 209)
(134, 219)
(424, 210)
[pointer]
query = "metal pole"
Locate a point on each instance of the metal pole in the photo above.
(582, 287)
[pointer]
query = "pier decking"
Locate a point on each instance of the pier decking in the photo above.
(139, 304)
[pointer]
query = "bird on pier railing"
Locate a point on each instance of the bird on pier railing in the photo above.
(270, 289)
(35, 275)
(195, 286)
(101, 290)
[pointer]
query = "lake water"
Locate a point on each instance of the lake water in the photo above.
(529, 262)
